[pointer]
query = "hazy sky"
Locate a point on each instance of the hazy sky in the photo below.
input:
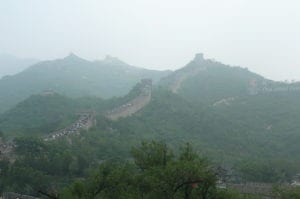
(263, 35)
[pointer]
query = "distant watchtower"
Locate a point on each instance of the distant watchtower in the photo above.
(199, 57)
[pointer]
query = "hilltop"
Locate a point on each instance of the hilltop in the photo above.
(209, 81)
(74, 77)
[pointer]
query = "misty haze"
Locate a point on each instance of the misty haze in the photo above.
(192, 99)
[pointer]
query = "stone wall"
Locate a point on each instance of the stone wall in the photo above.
(255, 87)
(181, 76)
(133, 105)
(11, 195)
(84, 122)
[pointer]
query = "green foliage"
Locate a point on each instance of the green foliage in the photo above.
(151, 154)
(154, 176)
(29, 146)
(231, 194)
(287, 193)
(111, 180)
(39, 114)
(270, 171)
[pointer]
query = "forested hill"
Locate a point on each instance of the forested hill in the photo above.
(235, 117)
(208, 81)
(43, 113)
(74, 77)
(39, 114)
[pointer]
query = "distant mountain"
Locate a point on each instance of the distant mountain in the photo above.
(74, 77)
(10, 65)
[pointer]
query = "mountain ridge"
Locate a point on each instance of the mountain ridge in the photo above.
(10, 65)
(74, 77)
(214, 110)
(208, 81)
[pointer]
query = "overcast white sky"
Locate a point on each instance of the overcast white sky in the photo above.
(263, 35)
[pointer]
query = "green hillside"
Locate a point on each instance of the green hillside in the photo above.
(250, 127)
(48, 111)
(39, 114)
(256, 135)
(74, 77)
(223, 117)
(208, 81)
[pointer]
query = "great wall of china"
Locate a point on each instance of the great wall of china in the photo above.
(254, 88)
(11, 195)
(134, 105)
(182, 75)
(87, 119)
(84, 122)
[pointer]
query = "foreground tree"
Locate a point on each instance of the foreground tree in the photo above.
(157, 173)
(287, 193)
(184, 176)
(111, 180)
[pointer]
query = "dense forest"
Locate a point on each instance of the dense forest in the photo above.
(152, 170)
